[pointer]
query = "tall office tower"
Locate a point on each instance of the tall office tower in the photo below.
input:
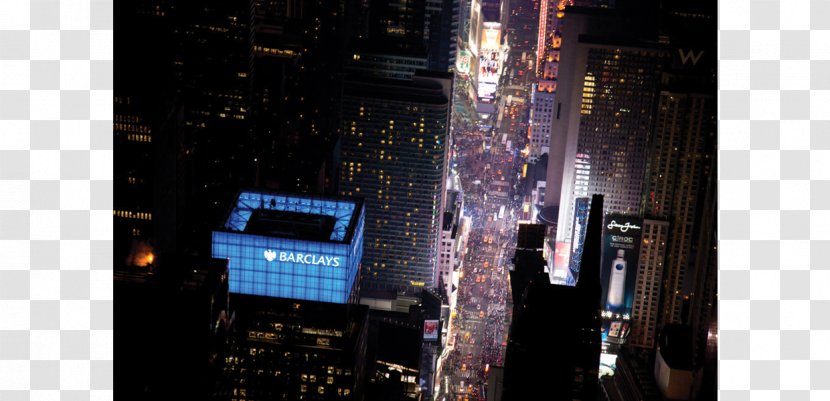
(683, 149)
(541, 115)
(604, 112)
(703, 314)
(441, 32)
(212, 62)
(394, 154)
(549, 42)
(397, 19)
(644, 314)
(296, 58)
(535, 368)
(290, 349)
(391, 42)
(143, 100)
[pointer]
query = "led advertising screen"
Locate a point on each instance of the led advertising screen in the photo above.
(431, 330)
(489, 58)
(486, 92)
(488, 66)
(581, 208)
(560, 262)
(620, 258)
(462, 65)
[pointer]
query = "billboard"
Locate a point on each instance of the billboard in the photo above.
(620, 258)
(489, 58)
(560, 261)
(431, 330)
(486, 92)
(462, 65)
(581, 208)
(488, 66)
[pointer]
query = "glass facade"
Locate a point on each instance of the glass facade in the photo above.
(293, 267)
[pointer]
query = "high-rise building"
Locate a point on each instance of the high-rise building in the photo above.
(603, 113)
(681, 155)
(441, 33)
(144, 95)
(394, 154)
(295, 71)
(541, 114)
(534, 367)
(548, 45)
(645, 312)
(683, 140)
(292, 349)
(293, 246)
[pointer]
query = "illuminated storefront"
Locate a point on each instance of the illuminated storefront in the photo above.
(293, 246)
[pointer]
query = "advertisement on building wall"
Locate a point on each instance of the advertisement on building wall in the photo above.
(462, 65)
(581, 208)
(430, 330)
(488, 66)
(620, 258)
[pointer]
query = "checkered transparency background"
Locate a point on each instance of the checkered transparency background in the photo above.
(774, 315)
(56, 308)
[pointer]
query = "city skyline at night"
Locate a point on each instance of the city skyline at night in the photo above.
(422, 199)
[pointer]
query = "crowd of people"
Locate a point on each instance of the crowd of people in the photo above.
(489, 173)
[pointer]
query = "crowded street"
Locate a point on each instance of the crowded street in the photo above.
(488, 158)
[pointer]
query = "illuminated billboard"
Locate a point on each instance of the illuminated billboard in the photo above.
(462, 65)
(561, 255)
(488, 65)
(292, 246)
(489, 58)
(431, 330)
(582, 206)
(620, 258)
(486, 92)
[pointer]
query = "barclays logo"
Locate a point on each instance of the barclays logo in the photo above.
(270, 255)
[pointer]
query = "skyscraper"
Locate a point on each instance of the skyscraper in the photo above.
(536, 366)
(441, 33)
(394, 154)
(604, 113)
(295, 71)
(645, 311)
(682, 153)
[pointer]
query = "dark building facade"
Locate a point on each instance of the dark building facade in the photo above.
(556, 355)
(294, 350)
(171, 324)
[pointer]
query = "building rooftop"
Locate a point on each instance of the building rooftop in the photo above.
(284, 215)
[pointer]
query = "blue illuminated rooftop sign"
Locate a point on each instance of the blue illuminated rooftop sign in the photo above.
(300, 264)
